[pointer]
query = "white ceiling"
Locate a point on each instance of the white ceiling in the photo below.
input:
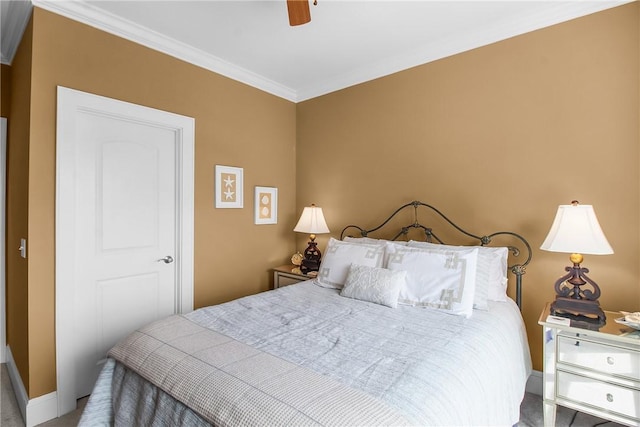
(347, 42)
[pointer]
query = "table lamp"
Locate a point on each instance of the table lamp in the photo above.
(576, 230)
(311, 221)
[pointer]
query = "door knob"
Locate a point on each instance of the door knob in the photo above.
(167, 260)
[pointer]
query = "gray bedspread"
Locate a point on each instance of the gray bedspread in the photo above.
(432, 368)
(230, 383)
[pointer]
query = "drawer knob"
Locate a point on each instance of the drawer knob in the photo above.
(610, 360)
(609, 397)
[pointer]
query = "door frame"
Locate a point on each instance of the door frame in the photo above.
(71, 102)
(3, 265)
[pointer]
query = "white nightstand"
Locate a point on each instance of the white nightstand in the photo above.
(284, 275)
(592, 371)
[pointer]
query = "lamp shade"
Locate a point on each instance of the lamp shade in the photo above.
(576, 229)
(312, 221)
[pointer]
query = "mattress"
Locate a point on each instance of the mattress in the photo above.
(428, 366)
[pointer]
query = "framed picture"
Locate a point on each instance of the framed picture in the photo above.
(266, 205)
(228, 185)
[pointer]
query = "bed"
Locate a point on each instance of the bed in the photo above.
(364, 343)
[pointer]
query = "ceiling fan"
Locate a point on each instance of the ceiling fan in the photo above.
(299, 11)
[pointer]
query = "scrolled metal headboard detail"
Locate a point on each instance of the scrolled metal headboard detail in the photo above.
(518, 269)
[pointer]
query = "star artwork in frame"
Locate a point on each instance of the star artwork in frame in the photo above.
(228, 187)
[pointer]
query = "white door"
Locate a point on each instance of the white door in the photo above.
(126, 254)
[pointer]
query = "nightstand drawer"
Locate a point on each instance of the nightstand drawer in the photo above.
(286, 275)
(598, 394)
(286, 281)
(599, 357)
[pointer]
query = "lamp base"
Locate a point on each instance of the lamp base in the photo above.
(312, 256)
(309, 265)
(582, 309)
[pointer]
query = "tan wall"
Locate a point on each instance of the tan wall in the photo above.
(236, 125)
(497, 138)
(17, 204)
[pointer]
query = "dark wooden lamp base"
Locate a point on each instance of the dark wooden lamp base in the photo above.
(312, 255)
(573, 299)
(578, 309)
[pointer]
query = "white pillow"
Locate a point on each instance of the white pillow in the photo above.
(338, 257)
(366, 240)
(437, 278)
(381, 242)
(374, 284)
(371, 241)
(494, 261)
(491, 272)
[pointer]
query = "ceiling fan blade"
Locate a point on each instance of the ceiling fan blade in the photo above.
(298, 12)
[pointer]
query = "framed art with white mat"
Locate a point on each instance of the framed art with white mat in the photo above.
(228, 187)
(266, 205)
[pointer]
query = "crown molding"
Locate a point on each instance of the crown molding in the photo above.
(438, 49)
(12, 29)
(560, 12)
(87, 14)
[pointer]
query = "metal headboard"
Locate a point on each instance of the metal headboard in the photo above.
(517, 269)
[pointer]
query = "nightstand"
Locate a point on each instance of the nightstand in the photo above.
(284, 276)
(595, 371)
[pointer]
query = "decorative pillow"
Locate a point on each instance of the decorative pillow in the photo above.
(374, 284)
(366, 240)
(371, 241)
(380, 242)
(338, 257)
(437, 278)
(491, 272)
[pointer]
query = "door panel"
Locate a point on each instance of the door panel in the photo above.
(126, 197)
(128, 193)
(117, 316)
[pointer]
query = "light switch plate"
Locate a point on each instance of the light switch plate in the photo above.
(23, 248)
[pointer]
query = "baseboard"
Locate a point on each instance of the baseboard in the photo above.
(534, 383)
(34, 411)
(16, 383)
(41, 409)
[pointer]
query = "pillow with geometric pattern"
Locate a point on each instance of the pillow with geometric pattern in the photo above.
(374, 284)
(338, 257)
(436, 277)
